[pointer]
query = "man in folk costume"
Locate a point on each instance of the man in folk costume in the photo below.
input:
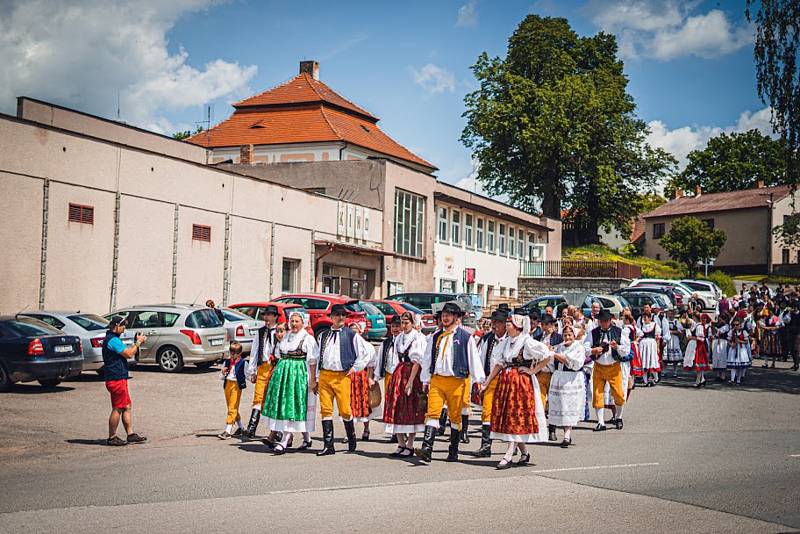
(607, 347)
(551, 338)
(451, 359)
(491, 351)
(259, 367)
(340, 356)
(536, 329)
(387, 361)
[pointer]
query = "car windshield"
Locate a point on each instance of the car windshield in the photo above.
(696, 286)
(354, 306)
(412, 308)
(233, 315)
(203, 319)
(370, 308)
(89, 321)
(385, 309)
(24, 326)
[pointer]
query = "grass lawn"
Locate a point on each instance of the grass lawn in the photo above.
(762, 278)
(650, 268)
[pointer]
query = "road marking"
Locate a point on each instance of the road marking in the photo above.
(594, 467)
(794, 456)
(339, 488)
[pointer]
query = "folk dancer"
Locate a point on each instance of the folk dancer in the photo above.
(719, 347)
(387, 362)
(551, 338)
(588, 367)
(649, 337)
(491, 351)
(567, 386)
(451, 359)
(696, 357)
(739, 355)
(259, 367)
(630, 332)
(607, 347)
(233, 382)
(360, 383)
(673, 354)
(341, 355)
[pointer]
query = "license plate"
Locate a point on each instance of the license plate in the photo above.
(63, 348)
(216, 342)
(253, 332)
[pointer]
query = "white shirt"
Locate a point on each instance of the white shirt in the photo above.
(251, 367)
(386, 354)
(444, 361)
(413, 342)
(332, 361)
(647, 328)
(623, 348)
(298, 341)
(497, 351)
(532, 350)
(574, 354)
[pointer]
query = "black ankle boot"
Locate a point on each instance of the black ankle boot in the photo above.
(424, 453)
(486, 442)
(452, 451)
(464, 428)
(327, 438)
(551, 433)
(350, 430)
(442, 422)
(251, 426)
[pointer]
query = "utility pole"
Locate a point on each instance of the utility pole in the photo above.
(770, 239)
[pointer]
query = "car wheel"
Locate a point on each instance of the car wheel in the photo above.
(204, 365)
(5, 379)
(319, 332)
(170, 359)
(50, 382)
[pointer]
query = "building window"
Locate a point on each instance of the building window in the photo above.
(709, 223)
(201, 232)
(442, 217)
(511, 292)
(490, 237)
(658, 256)
(455, 229)
(785, 255)
(290, 275)
(531, 247)
(409, 220)
(521, 243)
(479, 235)
(512, 242)
(78, 213)
(658, 230)
(447, 286)
(395, 288)
(502, 291)
(502, 236)
(468, 230)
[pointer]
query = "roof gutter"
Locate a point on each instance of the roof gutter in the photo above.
(341, 150)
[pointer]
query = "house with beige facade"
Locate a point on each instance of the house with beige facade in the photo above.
(747, 218)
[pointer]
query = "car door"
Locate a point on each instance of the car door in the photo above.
(146, 322)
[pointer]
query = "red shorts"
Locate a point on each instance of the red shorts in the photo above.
(119, 393)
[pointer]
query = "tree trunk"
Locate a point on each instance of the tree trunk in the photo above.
(551, 201)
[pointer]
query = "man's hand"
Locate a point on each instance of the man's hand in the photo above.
(371, 382)
(253, 379)
(597, 351)
(351, 373)
(139, 339)
(313, 386)
(426, 388)
(613, 344)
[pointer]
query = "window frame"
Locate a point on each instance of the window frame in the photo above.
(479, 228)
(409, 223)
(512, 242)
(501, 239)
(295, 274)
(469, 231)
(491, 243)
(455, 228)
(659, 229)
(442, 224)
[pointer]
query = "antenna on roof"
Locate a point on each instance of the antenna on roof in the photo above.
(207, 123)
(197, 297)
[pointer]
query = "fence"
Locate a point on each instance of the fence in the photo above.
(579, 269)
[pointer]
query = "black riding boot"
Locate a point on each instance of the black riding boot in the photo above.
(442, 422)
(551, 433)
(424, 453)
(350, 430)
(486, 442)
(452, 451)
(251, 426)
(464, 428)
(327, 438)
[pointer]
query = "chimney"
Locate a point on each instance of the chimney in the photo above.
(678, 193)
(697, 191)
(760, 184)
(246, 154)
(311, 68)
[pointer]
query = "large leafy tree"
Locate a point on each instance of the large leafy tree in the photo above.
(552, 125)
(732, 162)
(690, 241)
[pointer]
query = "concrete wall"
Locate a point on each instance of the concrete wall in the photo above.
(530, 287)
(781, 208)
(21, 236)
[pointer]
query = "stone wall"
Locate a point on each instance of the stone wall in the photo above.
(531, 287)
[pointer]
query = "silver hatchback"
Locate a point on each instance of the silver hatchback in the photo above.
(177, 334)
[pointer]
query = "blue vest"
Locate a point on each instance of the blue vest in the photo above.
(460, 360)
(387, 344)
(238, 371)
(347, 351)
(115, 366)
(614, 334)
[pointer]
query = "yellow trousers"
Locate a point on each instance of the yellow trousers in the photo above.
(465, 408)
(544, 385)
(488, 399)
(611, 375)
(447, 390)
(334, 385)
(232, 397)
(262, 377)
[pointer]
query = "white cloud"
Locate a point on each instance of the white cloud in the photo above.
(667, 29)
(434, 79)
(468, 14)
(88, 52)
(680, 141)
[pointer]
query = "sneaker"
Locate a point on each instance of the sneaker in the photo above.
(116, 442)
(238, 432)
(136, 438)
(224, 435)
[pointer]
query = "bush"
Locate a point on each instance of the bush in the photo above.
(630, 251)
(724, 282)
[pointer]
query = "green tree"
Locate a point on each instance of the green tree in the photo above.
(732, 162)
(690, 241)
(180, 136)
(552, 125)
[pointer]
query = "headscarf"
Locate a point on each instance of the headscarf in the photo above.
(522, 322)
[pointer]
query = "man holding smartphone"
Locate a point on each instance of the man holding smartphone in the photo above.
(115, 361)
(607, 346)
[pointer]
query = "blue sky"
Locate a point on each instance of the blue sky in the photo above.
(689, 62)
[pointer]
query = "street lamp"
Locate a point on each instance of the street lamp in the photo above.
(770, 203)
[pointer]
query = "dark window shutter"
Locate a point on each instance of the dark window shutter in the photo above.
(201, 232)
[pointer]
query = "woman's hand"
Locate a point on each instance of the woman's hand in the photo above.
(409, 388)
(313, 385)
(371, 382)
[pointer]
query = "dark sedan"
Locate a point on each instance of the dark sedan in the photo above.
(32, 350)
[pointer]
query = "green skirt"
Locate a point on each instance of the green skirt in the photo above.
(287, 395)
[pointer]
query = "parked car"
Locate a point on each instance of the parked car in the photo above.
(682, 292)
(177, 334)
(613, 303)
(557, 302)
(708, 291)
(670, 296)
(425, 301)
(32, 350)
(637, 301)
(285, 310)
(392, 308)
(90, 328)
(241, 328)
(375, 319)
(319, 306)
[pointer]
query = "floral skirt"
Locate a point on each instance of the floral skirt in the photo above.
(287, 394)
(402, 413)
(359, 396)
(514, 407)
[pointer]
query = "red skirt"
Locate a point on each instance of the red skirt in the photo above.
(701, 362)
(514, 406)
(636, 362)
(359, 394)
(399, 408)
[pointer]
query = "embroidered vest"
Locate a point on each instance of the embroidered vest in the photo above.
(459, 346)
(347, 352)
(388, 344)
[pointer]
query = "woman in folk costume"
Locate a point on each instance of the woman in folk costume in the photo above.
(770, 345)
(673, 353)
(696, 358)
(517, 410)
(360, 382)
(387, 362)
(739, 355)
(649, 337)
(567, 387)
(491, 350)
(402, 413)
(719, 347)
(290, 404)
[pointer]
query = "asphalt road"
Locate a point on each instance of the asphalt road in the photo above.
(719, 459)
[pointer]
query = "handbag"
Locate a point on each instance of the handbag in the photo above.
(374, 395)
(423, 401)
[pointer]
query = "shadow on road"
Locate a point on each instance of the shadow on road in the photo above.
(757, 379)
(101, 442)
(36, 389)
(188, 370)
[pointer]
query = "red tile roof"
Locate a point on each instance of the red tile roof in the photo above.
(709, 202)
(303, 110)
(638, 228)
